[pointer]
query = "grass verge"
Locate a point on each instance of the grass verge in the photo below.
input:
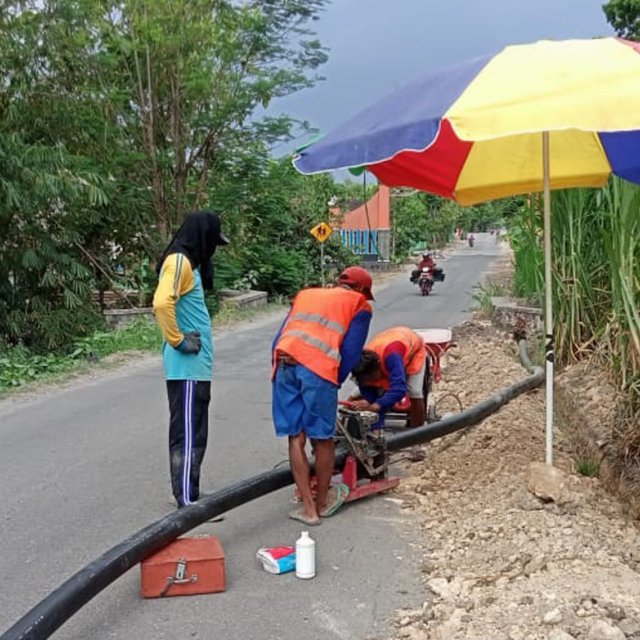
(19, 366)
(484, 293)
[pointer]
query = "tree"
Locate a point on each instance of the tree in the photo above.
(414, 218)
(126, 114)
(171, 83)
(270, 209)
(425, 218)
(194, 72)
(624, 17)
(43, 283)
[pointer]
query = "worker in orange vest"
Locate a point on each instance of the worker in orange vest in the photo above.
(318, 344)
(393, 365)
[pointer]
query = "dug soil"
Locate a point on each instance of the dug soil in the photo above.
(511, 551)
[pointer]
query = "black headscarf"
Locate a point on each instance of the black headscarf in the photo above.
(197, 238)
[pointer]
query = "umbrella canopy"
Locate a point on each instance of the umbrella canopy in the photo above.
(472, 132)
(535, 117)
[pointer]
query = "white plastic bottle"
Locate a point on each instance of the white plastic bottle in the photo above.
(305, 556)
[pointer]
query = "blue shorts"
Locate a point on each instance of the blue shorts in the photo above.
(303, 401)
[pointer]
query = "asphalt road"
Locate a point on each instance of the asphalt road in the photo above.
(86, 466)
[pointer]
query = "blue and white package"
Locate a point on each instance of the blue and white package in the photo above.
(277, 559)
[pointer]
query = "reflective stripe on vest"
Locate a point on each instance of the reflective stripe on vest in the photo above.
(317, 324)
(316, 317)
(316, 342)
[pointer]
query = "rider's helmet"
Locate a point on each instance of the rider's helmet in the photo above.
(426, 255)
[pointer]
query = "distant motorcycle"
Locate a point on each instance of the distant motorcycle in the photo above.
(471, 240)
(425, 281)
(426, 276)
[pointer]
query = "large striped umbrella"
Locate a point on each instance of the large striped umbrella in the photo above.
(534, 117)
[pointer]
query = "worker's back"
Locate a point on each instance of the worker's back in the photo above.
(316, 326)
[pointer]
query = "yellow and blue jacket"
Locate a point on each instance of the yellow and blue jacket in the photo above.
(180, 308)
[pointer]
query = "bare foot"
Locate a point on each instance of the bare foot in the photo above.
(302, 516)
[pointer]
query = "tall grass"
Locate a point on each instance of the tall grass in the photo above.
(596, 283)
(526, 241)
(581, 271)
(622, 246)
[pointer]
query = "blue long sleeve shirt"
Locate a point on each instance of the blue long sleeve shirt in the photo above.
(352, 344)
(393, 360)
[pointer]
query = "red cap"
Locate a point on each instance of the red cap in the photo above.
(359, 277)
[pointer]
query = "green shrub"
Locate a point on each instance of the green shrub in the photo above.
(283, 271)
(19, 365)
(596, 283)
(588, 467)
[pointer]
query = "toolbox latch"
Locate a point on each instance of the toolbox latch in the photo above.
(179, 577)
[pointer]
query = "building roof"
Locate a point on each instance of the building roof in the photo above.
(374, 215)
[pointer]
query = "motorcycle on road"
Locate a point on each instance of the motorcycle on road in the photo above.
(426, 276)
(425, 281)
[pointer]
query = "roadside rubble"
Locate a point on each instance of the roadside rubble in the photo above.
(513, 550)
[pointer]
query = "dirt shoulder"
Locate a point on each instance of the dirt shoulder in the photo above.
(500, 563)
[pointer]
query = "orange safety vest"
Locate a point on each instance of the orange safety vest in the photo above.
(317, 324)
(414, 356)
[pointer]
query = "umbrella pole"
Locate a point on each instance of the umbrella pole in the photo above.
(548, 316)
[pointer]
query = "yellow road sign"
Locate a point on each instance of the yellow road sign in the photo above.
(321, 232)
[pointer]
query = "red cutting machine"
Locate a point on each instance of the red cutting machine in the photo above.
(367, 464)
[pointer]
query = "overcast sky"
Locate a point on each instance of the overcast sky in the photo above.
(379, 45)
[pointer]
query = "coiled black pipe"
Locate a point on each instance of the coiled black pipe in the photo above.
(52, 612)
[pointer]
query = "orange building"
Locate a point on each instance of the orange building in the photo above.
(366, 229)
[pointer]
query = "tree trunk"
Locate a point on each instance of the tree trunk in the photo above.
(180, 168)
(147, 106)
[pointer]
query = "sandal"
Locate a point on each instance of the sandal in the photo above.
(341, 493)
(301, 516)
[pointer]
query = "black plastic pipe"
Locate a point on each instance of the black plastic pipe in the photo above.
(523, 352)
(52, 612)
(471, 416)
(63, 602)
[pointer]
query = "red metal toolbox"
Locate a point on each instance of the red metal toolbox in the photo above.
(185, 567)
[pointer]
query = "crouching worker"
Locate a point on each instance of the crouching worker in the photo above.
(393, 365)
(318, 344)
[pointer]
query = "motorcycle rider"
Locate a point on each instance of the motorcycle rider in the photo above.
(426, 262)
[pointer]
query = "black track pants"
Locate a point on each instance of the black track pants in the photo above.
(188, 430)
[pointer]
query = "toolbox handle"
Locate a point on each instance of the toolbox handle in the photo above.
(179, 577)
